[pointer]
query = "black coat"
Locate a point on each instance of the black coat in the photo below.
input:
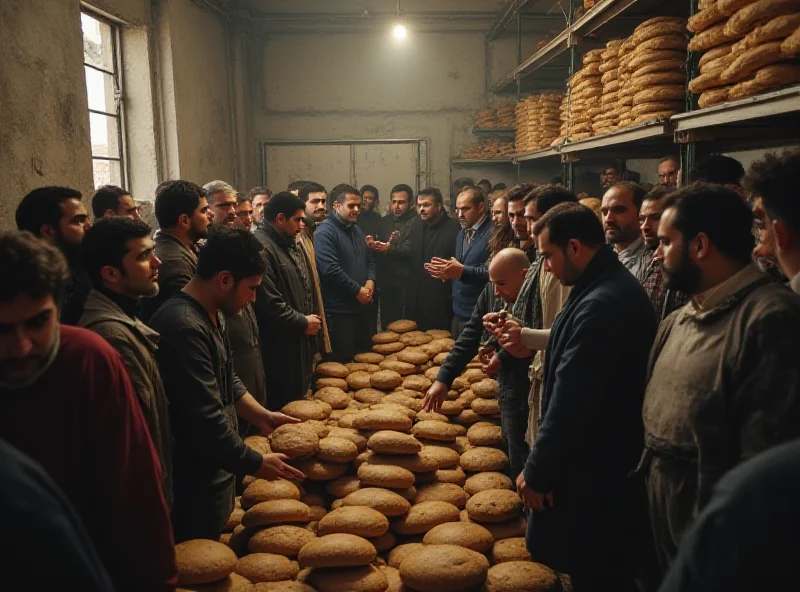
(178, 264)
(370, 223)
(394, 266)
(243, 335)
(591, 433)
(429, 301)
(281, 309)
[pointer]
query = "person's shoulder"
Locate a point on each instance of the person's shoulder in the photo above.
(78, 343)
(774, 298)
(173, 315)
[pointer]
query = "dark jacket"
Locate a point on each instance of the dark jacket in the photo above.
(369, 222)
(590, 434)
(75, 294)
(243, 335)
(429, 300)
(178, 263)
(196, 366)
(394, 266)
(476, 271)
(281, 309)
(344, 264)
(137, 344)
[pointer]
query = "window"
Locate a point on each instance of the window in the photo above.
(104, 90)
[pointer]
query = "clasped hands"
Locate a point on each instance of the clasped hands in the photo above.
(364, 295)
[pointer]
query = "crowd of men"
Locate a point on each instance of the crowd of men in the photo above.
(648, 387)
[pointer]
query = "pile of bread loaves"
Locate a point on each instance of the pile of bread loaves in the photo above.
(538, 121)
(499, 117)
(396, 498)
(492, 147)
(750, 47)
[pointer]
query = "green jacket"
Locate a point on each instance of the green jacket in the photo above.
(137, 344)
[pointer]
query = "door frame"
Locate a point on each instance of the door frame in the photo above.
(422, 155)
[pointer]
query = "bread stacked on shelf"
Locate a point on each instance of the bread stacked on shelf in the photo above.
(626, 91)
(538, 121)
(506, 116)
(493, 118)
(608, 119)
(395, 498)
(584, 99)
(748, 48)
(657, 69)
(486, 119)
(492, 147)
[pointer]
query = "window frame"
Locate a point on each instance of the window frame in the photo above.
(119, 97)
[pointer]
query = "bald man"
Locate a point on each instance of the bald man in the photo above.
(507, 273)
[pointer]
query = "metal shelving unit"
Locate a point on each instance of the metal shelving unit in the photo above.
(502, 132)
(480, 161)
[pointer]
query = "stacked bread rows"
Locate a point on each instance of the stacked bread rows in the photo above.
(499, 117)
(538, 121)
(583, 100)
(492, 147)
(607, 120)
(750, 47)
(396, 498)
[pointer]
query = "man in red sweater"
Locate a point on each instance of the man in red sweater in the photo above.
(67, 402)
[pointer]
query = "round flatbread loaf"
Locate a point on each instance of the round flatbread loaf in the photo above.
(337, 382)
(357, 366)
(402, 326)
(337, 450)
(660, 93)
(280, 540)
(294, 440)
(276, 512)
(369, 395)
(415, 338)
(307, 409)
(486, 436)
(752, 60)
(383, 419)
(439, 333)
(335, 397)
(451, 407)
(332, 370)
(456, 476)
(485, 388)
(388, 348)
(350, 434)
(262, 490)
(416, 463)
(705, 18)
(359, 520)
(392, 442)
(442, 492)
(357, 579)
(399, 402)
(399, 553)
(385, 476)
(259, 444)
(424, 516)
(416, 357)
(447, 458)
(402, 368)
(486, 407)
(758, 13)
(667, 106)
(513, 549)
(202, 561)
(522, 576)
(267, 567)
(444, 568)
(417, 383)
(501, 530)
(384, 501)
(437, 430)
(359, 380)
(462, 534)
(337, 550)
(711, 37)
(343, 486)
(494, 505)
(369, 358)
(482, 459)
(385, 380)
(431, 416)
(468, 416)
(319, 470)
(386, 337)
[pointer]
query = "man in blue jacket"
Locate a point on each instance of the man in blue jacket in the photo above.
(347, 275)
(469, 268)
(588, 513)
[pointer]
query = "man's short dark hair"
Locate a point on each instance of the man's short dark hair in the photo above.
(341, 191)
(518, 192)
(43, 206)
(371, 189)
(243, 198)
(669, 157)
(568, 221)
(297, 185)
(235, 250)
(174, 200)
(719, 213)
(403, 188)
(549, 196)
(499, 187)
(719, 169)
(776, 180)
(462, 182)
(32, 267)
(285, 203)
(433, 192)
(476, 195)
(637, 192)
(107, 198)
(308, 189)
(658, 193)
(260, 190)
(106, 243)
(484, 182)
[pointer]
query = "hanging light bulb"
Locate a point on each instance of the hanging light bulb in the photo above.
(399, 31)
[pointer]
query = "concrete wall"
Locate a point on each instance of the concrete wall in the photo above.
(44, 136)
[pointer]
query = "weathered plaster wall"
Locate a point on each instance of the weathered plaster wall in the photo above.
(44, 134)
